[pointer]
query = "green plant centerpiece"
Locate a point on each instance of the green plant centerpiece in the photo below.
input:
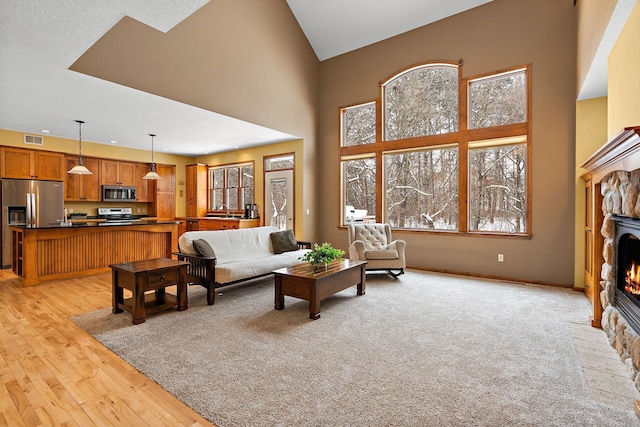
(322, 255)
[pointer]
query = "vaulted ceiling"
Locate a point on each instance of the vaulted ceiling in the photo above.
(40, 40)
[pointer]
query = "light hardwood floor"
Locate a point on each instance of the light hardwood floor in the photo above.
(53, 373)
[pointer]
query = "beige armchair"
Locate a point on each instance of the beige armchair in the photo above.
(373, 243)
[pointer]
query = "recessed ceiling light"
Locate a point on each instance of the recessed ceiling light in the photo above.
(113, 141)
(236, 146)
(165, 149)
(45, 130)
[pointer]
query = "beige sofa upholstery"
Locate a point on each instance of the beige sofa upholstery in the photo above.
(373, 243)
(240, 255)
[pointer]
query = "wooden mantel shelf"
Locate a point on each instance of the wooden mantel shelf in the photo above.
(622, 152)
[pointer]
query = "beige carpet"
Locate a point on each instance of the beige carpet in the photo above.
(425, 350)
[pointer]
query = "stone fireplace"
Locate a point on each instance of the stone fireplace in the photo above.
(613, 183)
(627, 270)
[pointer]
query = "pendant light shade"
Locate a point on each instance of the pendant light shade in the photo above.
(80, 168)
(152, 174)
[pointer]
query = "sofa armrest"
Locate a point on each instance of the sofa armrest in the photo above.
(399, 246)
(201, 271)
(356, 251)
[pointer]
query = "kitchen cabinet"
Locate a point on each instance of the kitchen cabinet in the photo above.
(215, 224)
(83, 188)
(196, 190)
(163, 205)
(20, 163)
(192, 225)
(182, 226)
(115, 172)
(143, 186)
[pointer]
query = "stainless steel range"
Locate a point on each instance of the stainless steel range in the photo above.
(117, 216)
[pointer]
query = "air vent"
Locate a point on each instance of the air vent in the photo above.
(33, 140)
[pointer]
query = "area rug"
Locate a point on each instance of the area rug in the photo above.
(424, 350)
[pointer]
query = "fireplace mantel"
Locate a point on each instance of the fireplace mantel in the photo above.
(612, 191)
(622, 152)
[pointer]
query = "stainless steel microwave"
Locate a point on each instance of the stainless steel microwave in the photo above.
(118, 193)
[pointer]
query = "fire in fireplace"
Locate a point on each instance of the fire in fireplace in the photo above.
(627, 246)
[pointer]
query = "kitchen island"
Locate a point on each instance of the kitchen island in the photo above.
(52, 253)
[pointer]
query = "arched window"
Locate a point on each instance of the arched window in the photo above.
(421, 101)
(452, 154)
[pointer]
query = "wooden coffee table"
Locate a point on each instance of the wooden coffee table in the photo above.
(141, 276)
(302, 281)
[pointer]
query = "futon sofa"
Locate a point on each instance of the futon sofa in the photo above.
(237, 255)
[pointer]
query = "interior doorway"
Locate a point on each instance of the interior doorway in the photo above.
(279, 192)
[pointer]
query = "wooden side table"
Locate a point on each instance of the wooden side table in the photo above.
(141, 276)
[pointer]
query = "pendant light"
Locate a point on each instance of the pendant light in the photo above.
(80, 168)
(152, 174)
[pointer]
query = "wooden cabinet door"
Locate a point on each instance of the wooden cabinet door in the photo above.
(196, 190)
(72, 182)
(91, 184)
(118, 173)
(165, 206)
(84, 188)
(164, 197)
(192, 209)
(167, 182)
(126, 173)
(109, 170)
(49, 166)
(143, 192)
(16, 163)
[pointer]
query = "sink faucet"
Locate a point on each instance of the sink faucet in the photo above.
(226, 207)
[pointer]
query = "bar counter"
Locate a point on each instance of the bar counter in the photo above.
(52, 253)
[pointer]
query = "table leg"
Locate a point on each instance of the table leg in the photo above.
(279, 297)
(182, 289)
(314, 302)
(138, 312)
(362, 286)
(117, 295)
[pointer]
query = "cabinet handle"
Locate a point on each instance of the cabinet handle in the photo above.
(162, 278)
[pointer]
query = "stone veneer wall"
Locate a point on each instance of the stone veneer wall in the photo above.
(620, 192)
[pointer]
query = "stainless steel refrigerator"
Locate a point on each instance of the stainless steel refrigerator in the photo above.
(29, 203)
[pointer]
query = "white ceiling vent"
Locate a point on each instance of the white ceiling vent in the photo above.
(33, 139)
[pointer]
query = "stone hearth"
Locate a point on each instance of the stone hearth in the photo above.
(613, 191)
(620, 198)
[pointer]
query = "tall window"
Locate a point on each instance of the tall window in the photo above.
(497, 191)
(444, 162)
(230, 187)
(359, 188)
(422, 188)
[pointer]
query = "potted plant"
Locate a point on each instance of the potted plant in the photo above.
(322, 255)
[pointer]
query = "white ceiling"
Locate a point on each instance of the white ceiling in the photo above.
(39, 40)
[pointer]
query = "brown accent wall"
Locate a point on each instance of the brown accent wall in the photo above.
(245, 59)
(495, 36)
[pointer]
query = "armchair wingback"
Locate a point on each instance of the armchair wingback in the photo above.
(373, 243)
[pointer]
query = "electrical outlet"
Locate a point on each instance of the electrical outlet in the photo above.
(500, 257)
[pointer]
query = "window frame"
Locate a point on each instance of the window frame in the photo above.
(462, 138)
(241, 201)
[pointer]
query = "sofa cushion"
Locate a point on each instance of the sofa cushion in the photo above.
(239, 270)
(232, 245)
(382, 254)
(203, 248)
(283, 241)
